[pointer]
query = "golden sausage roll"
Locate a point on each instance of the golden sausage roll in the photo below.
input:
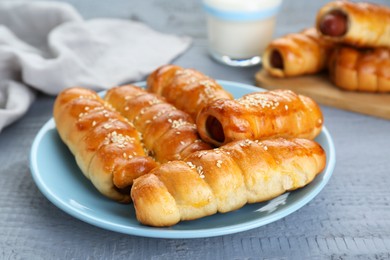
(359, 24)
(168, 133)
(260, 115)
(361, 70)
(187, 89)
(297, 54)
(225, 179)
(107, 148)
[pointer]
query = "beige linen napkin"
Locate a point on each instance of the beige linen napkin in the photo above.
(47, 46)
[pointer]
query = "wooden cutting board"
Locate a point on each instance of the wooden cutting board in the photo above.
(324, 92)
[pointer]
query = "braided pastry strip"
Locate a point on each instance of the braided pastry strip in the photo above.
(107, 148)
(357, 24)
(260, 115)
(168, 133)
(187, 89)
(225, 179)
(361, 70)
(297, 54)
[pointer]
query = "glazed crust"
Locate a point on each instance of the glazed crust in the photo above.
(168, 133)
(225, 179)
(367, 24)
(361, 70)
(187, 89)
(107, 148)
(300, 53)
(260, 115)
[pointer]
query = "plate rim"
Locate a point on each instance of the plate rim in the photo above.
(145, 231)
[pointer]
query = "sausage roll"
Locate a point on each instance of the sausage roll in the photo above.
(168, 133)
(361, 70)
(260, 115)
(107, 148)
(297, 54)
(189, 90)
(225, 179)
(358, 24)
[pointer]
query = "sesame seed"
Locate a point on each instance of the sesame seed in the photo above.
(192, 166)
(178, 123)
(93, 123)
(219, 163)
(199, 169)
(119, 140)
(201, 153)
(154, 101)
(126, 108)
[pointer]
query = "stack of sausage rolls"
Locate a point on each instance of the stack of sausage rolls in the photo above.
(184, 148)
(351, 40)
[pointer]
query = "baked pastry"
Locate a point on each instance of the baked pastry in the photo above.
(361, 70)
(260, 115)
(297, 54)
(188, 89)
(107, 148)
(357, 24)
(168, 133)
(225, 179)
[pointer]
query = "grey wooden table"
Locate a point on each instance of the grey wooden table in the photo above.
(349, 219)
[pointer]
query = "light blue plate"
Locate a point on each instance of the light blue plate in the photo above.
(58, 177)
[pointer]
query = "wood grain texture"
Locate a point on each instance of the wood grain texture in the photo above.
(349, 219)
(324, 92)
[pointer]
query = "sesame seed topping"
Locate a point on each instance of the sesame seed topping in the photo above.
(201, 153)
(199, 169)
(192, 166)
(94, 123)
(286, 107)
(107, 126)
(258, 100)
(154, 101)
(219, 163)
(126, 108)
(178, 123)
(119, 140)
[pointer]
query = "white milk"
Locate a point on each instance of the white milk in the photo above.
(240, 30)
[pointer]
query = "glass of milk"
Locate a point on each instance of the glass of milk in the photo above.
(240, 30)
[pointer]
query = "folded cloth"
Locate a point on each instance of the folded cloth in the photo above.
(48, 46)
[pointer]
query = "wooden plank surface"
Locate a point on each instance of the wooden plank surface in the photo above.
(324, 92)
